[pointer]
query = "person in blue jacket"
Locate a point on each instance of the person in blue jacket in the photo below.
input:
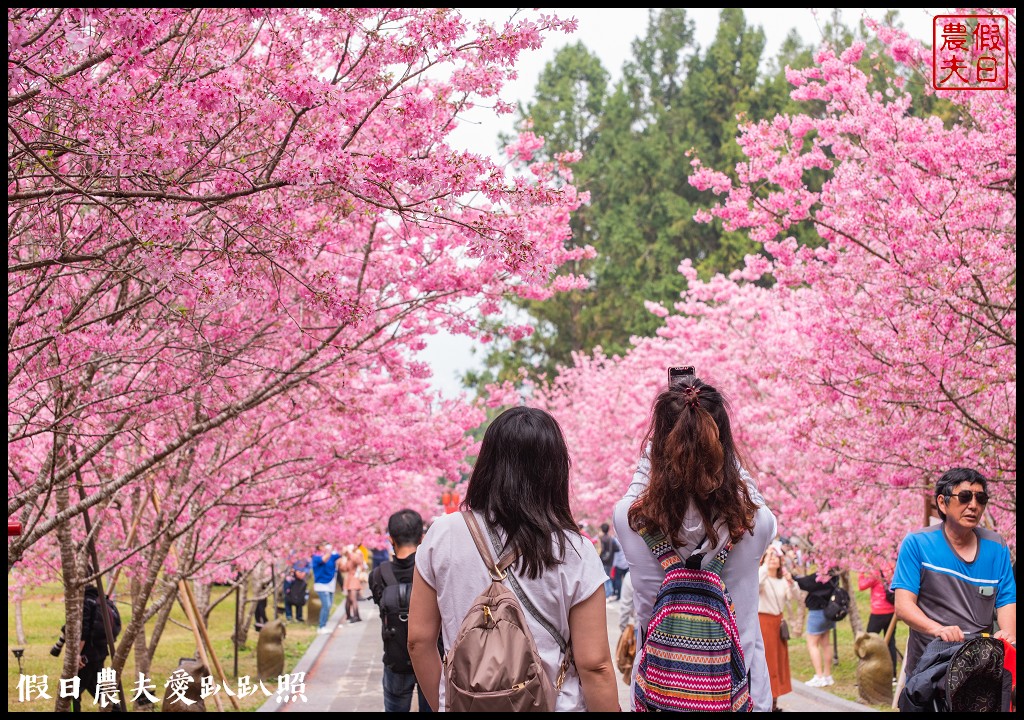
(325, 573)
(955, 577)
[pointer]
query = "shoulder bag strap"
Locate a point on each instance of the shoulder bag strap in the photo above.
(778, 599)
(833, 585)
(781, 600)
(565, 647)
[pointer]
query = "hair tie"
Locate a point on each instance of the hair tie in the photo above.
(691, 396)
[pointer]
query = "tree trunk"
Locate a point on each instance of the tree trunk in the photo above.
(73, 597)
(855, 620)
(245, 614)
(143, 659)
(170, 593)
(19, 625)
(201, 592)
(140, 600)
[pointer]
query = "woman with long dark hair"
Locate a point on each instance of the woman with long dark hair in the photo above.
(691, 486)
(519, 491)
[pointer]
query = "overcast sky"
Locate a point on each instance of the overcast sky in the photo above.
(609, 33)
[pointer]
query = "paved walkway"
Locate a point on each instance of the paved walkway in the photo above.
(343, 672)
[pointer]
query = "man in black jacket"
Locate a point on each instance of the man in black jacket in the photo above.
(391, 586)
(295, 594)
(93, 648)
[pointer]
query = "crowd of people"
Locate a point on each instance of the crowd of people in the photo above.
(331, 571)
(691, 503)
(691, 493)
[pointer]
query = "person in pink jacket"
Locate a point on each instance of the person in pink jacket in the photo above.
(882, 608)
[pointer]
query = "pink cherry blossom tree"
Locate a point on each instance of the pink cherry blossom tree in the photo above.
(229, 233)
(874, 362)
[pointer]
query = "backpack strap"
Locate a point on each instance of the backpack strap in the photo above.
(387, 574)
(498, 574)
(669, 557)
(717, 564)
(404, 593)
(496, 569)
(528, 605)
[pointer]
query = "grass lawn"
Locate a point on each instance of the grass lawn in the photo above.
(43, 616)
(845, 671)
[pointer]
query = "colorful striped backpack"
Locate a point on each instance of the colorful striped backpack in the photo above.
(690, 656)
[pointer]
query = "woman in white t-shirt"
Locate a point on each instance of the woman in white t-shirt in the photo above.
(520, 489)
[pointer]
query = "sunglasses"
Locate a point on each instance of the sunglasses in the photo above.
(964, 496)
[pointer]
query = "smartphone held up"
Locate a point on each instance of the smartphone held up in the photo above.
(678, 372)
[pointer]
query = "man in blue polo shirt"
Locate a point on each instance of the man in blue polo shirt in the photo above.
(954, 577)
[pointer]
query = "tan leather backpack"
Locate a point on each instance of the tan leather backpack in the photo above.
(493, 665)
